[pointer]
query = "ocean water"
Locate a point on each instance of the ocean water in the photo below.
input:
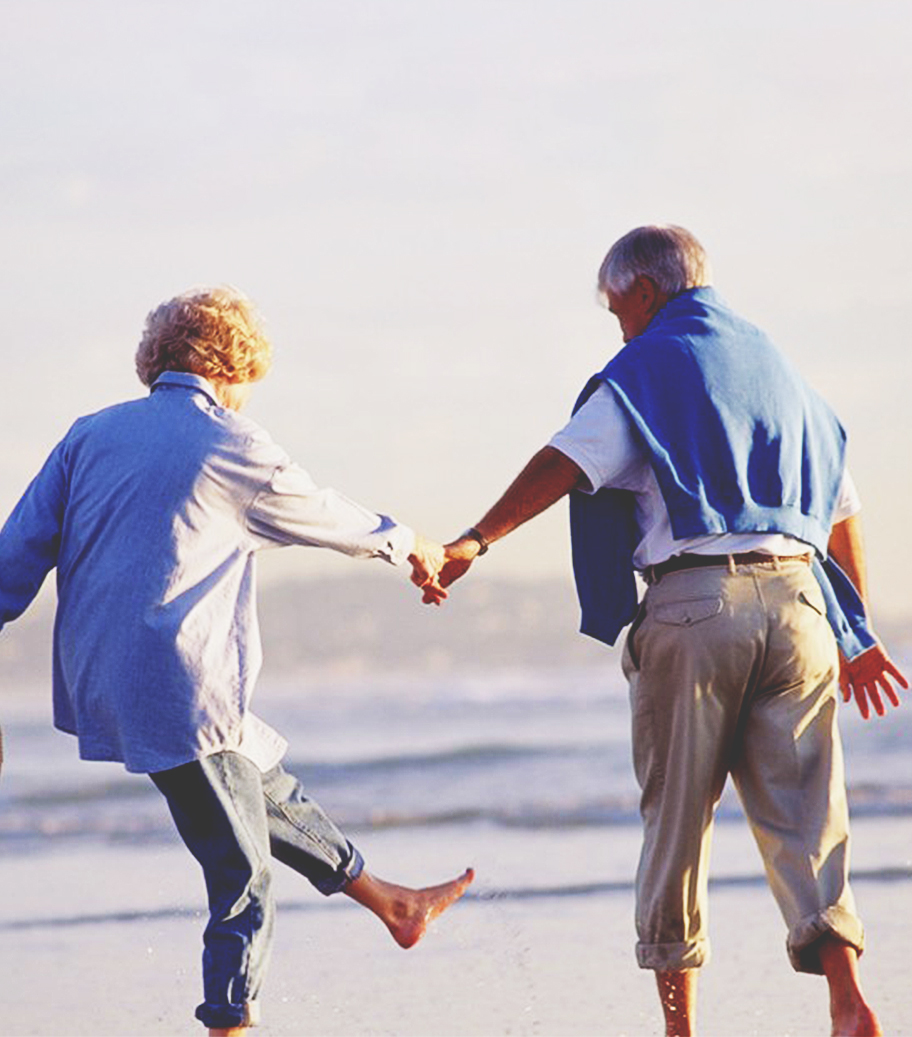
(529, 770)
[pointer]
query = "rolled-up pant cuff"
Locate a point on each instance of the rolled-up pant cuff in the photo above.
(804, 938)
(225, 1017)
(341, 877)
(672, 957)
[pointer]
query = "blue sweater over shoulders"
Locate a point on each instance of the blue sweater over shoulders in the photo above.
(739, 443)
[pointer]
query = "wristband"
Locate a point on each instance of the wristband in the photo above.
(473, 534)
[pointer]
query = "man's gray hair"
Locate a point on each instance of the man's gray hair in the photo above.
(670, 255)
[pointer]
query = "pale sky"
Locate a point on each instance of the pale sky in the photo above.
(418, 195)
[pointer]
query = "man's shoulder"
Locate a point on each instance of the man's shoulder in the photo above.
(698, 314)
(696, 334)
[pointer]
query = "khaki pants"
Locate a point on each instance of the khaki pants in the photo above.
(732, 670)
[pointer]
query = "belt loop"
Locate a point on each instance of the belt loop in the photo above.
(731, 564)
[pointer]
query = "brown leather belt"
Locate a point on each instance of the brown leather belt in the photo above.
(654, 573)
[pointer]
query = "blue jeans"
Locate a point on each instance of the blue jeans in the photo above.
(232, 818)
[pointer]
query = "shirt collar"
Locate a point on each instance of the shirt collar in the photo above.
(185, 380)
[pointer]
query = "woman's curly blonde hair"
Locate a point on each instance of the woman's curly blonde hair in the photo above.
(213, 332)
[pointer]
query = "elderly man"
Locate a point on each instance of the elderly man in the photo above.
(153, 512)
(699, 457)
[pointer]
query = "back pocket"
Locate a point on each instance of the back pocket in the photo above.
(687, 613)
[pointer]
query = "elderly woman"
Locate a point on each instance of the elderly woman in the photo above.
(153, 512)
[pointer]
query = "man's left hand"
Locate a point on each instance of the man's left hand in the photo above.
(865, 676)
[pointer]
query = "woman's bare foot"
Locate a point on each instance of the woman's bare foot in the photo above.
(406, 912)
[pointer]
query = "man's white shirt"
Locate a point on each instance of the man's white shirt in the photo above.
(599, 438)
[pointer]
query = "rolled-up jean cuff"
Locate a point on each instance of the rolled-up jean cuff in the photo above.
(226, 1017)
(803, 940)
(344, 874)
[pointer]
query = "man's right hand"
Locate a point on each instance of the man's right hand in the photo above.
(865, 676)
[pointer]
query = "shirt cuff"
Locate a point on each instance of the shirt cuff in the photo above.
(397, 541)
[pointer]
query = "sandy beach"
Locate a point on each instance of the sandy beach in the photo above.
(419, 197)
(106, 942)
(525, 777)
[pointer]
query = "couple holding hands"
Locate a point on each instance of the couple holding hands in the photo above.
(697, 457)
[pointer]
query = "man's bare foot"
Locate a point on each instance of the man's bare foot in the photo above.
(850, 1013)
(678, 994)
(860, 1022)
(406, 912)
